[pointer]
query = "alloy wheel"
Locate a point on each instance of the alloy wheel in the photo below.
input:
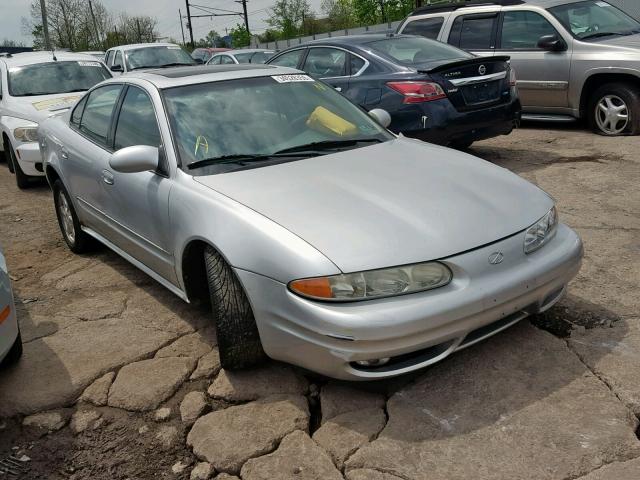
(66, 217)
(612, 115)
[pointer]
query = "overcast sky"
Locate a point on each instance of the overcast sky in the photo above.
(166, 11)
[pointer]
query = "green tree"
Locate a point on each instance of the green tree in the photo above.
(289, 16)
(239, 36)
(340, 14)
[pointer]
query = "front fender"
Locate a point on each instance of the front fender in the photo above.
(581, 77)
(245, 238)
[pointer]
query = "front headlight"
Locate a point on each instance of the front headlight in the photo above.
(386, 282)
(541, 232)
(26, 134)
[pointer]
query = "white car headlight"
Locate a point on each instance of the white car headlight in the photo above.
(26, 134)
(387, 282)
(541, 232)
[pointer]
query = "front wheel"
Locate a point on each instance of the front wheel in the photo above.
(76, 239)
(22, 180)
(615, 110)
(238, 338)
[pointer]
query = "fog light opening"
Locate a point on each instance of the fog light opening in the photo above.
(374, 362)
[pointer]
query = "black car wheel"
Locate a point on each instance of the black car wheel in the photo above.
(77, 240)
(22, 180)
(15, 353)
(238, 338)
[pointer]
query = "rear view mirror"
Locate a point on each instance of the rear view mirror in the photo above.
(140, 158)
(552, 43)
(117, 68)
(381, 116)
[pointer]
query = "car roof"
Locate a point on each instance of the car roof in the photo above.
(251, 50)
(133, 46)
(163, 78)
(33, 58)
(448, 7)
(353, 39)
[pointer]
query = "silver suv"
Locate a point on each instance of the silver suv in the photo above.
(573, 58)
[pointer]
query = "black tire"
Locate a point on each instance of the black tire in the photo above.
(238, 338)
(461, 144)
(15, 353)
(629, 94)
(22, 180)
(79, 242)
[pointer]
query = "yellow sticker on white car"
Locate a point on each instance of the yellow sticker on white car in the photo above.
(54, 103)
(292, 78)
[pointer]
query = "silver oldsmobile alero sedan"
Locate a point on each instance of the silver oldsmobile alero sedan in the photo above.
(319, 238)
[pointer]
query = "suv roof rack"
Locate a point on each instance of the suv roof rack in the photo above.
(449, 7)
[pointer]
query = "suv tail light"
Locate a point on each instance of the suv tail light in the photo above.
(513, 81)
(418, 92)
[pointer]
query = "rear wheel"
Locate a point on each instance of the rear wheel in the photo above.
(238, 339)
(77, 240)
(15, 353)
(22, 180)
(615, 110)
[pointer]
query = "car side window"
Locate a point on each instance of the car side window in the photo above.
(137, 124)
(109, 58)
(244, 57)
(474, 32)
(76, 116)
(226, 60)
(118, 59)
(96, 118)
(426, 27)
(215, 61)
(356, 64)
(326, 62)
(522, 30)
(289, 59)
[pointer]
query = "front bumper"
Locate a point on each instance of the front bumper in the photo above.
(30, 159)
(444, 125)
(419, 329)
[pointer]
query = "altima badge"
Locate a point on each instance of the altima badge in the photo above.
(495, 258)
(482, 70)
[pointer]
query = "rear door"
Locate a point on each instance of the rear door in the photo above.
(331, 65)
(543, 77)
(475, 32)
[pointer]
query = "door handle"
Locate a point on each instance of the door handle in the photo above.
(63, 153)
(107, 177)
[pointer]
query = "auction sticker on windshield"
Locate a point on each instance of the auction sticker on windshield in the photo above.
(89, 64)
(292, 78)
(54, 103)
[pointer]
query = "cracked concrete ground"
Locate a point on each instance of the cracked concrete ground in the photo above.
(121, 380)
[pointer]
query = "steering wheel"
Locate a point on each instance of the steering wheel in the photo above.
(297, 122)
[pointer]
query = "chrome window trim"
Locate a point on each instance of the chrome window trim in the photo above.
(357, 74)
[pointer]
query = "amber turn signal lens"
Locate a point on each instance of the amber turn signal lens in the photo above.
(312, 287)
(4, 314)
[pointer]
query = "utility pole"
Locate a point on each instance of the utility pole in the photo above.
(189, 24)
(184, 42)
(95, 24)
(138, 28)
(246, 15)
(45, 25)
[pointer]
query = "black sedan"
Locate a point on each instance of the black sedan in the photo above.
(433, 91)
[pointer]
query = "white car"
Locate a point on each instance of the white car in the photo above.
(34, 86)
(142, 56)
(10, 341)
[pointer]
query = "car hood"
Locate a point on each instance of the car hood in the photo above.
(629, 42)
(395, 203)
(39, 108)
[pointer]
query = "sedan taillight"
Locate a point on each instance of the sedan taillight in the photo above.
(418, 92)
(513, 81)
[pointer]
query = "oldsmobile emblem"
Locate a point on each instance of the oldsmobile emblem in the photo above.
(495, 258)
(482, 70)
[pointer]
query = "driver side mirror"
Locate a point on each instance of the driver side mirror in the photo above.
(381, 116)
(117, 68)
(552, 43)
(140, 158)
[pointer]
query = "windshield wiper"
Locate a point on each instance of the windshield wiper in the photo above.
(176, 64)
(242, 158)
(603, 34)
(328, 145)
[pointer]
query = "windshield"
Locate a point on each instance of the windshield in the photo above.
(261, 117)
(594, 19)
(416, 50)
(55, 77)
(149, 57)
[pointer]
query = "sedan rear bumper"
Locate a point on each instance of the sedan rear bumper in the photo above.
(419, 329)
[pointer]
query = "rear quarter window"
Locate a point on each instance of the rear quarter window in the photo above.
(425, 27)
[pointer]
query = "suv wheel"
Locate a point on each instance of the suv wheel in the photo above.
(615, 110)
(238, 339)
(77, 240)
(22, 180)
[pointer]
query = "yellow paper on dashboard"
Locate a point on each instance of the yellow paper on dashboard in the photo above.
(324, 120)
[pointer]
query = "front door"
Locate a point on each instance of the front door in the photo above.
(543, 77)
(140, 201)
(329, 65)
